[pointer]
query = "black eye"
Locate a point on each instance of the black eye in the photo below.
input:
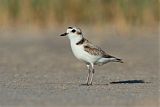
(73, 30)
(69, 27)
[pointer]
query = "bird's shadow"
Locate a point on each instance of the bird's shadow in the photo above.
(100, 84)
(129, 82)
(120, 82)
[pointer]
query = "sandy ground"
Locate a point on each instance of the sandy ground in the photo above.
(39, 70)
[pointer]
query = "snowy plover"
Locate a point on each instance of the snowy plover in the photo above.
(87, 52)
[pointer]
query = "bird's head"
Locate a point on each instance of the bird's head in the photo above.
(73, 33)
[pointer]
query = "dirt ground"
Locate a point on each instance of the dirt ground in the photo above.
(38, 69)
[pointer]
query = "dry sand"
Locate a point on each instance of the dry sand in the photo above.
(40, 71)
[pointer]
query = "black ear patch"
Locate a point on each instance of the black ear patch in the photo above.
(73, 31)
(79, 33)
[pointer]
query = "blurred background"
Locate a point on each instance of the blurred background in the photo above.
(55, 13)
(38, 69)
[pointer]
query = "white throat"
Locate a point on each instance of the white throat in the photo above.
(75, 38)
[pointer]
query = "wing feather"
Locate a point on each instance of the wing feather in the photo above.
(93, 49)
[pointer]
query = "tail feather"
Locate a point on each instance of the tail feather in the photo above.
(113, 58)
(119, 60)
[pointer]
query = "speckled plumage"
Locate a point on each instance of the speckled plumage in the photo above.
(87, 52)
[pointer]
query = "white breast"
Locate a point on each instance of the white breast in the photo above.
(78, 51)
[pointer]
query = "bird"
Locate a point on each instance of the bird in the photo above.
(87, 52)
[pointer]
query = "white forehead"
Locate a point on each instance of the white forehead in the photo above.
(71, 28)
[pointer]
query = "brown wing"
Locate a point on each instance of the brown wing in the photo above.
(94, 50)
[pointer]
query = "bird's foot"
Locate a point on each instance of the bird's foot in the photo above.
(87, 84)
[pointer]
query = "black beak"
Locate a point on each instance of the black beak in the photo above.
(64, 34)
